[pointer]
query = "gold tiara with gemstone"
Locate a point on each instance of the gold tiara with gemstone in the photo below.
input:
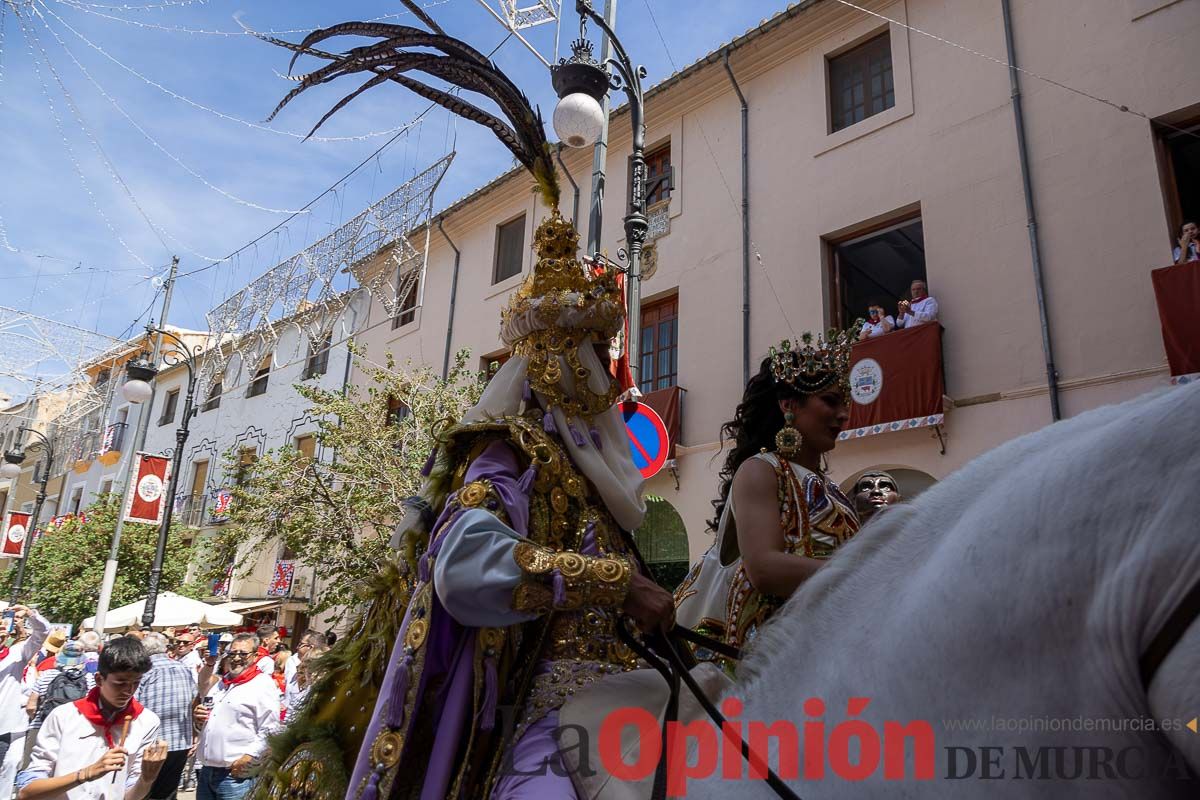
(809, 367)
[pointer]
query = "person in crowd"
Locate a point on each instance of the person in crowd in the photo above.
(65, 682)
(90, 642)
(105, 739)
(309, 641)
(277, 674)
(305, 675)
(873, 492)
(168, 690)
(236, 716)
(766, 546)
(268, 639)
(28, 633)
(922, 308)
(1189, 244)
(186, 644)
(331, 638)
(878, 323)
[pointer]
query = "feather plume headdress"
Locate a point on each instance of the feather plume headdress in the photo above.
(442, 57)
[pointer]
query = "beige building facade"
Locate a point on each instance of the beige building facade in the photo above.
(877, 154)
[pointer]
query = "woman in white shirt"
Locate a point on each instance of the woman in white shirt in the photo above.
(877, 323)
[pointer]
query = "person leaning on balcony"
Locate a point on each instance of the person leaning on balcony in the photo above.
(1189, 244)
(922, 307)
(878, 323)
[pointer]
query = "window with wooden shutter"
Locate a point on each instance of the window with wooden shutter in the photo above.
(510, 249)
(659, 362)
(860, 83)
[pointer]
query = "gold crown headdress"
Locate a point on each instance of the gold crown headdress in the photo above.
(558, 306)
(810, 368)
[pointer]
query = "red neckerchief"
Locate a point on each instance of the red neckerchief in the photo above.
(89, 707)
(4, 650)
(248, 675)
(262, 651)
(47, 663)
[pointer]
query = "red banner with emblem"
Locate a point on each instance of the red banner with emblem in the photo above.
(896, 382)
(15, 531)
(144, 497)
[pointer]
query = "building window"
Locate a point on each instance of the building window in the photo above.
(106, 487)
(258, 384)
(860, 83)
(318, 357)
(199, 477)
(660, 345)
(406, 308)
(492, 364)
(659, 178)
(397, 411)
(76, 500)
(877, 268)
(214, 395)
(1179, 159)
(170, 401)
(245, 466)
(307, 445)
(510, 249)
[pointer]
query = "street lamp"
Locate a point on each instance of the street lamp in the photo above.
(581, 83)
(138, 375)
(12, 469)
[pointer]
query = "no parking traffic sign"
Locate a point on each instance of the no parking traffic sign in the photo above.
(648, 440)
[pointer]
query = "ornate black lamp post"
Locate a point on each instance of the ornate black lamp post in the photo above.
(581, 83)
(12, 469)
(139, 373)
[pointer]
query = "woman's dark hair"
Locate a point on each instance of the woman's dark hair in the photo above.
(124, 654)
(753, 428)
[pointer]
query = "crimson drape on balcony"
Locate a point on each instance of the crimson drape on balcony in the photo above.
(668, 403)
(896, 382)
(1177, 290)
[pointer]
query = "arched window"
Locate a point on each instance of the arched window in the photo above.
(662, 540)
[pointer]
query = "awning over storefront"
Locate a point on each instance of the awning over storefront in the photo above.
(1177, 290)
(896, 382)
(251, 606)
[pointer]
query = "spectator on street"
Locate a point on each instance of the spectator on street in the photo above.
(268, 639)
(278, 672)
(310, 640)
(169, 689)
(306, 673)
(878, 323)
(238, 714)
(30, 626)
(331, 638)
(185, 651)
(107, 733)
(90, 642)
(1189, 244)
(922, 308)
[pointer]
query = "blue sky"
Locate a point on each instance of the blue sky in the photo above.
(72, 265)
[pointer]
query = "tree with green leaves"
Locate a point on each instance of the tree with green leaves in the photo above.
(66, 563)
(336, 513)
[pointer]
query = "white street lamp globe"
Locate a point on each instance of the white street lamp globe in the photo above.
(578, 120)
(10, 470)
(136, 391)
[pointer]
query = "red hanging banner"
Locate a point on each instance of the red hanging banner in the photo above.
(1177, 290)
(15, 532)
(144, 497)
(896, 382)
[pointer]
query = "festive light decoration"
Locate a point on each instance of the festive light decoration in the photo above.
(41, 353)
(200, 106)
(518, 18)
(302, 287)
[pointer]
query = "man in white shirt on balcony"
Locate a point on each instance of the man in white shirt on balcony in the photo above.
(13, 659)
(239, 713)
(921, 309)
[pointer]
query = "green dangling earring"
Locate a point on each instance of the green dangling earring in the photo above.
(788, 440)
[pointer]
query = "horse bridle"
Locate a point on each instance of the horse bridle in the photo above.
(1169, 635)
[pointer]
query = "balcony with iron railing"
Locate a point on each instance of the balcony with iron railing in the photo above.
(189, 508)
(114, 439)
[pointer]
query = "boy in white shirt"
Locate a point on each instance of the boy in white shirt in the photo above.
(104, 745)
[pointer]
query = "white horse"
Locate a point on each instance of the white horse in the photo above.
(1008, 607)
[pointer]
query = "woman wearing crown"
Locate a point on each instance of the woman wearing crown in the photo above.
(779, 517)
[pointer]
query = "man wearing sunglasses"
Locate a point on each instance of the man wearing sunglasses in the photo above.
(238, 714)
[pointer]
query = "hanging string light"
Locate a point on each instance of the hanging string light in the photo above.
(200, 106)
(152, 140)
